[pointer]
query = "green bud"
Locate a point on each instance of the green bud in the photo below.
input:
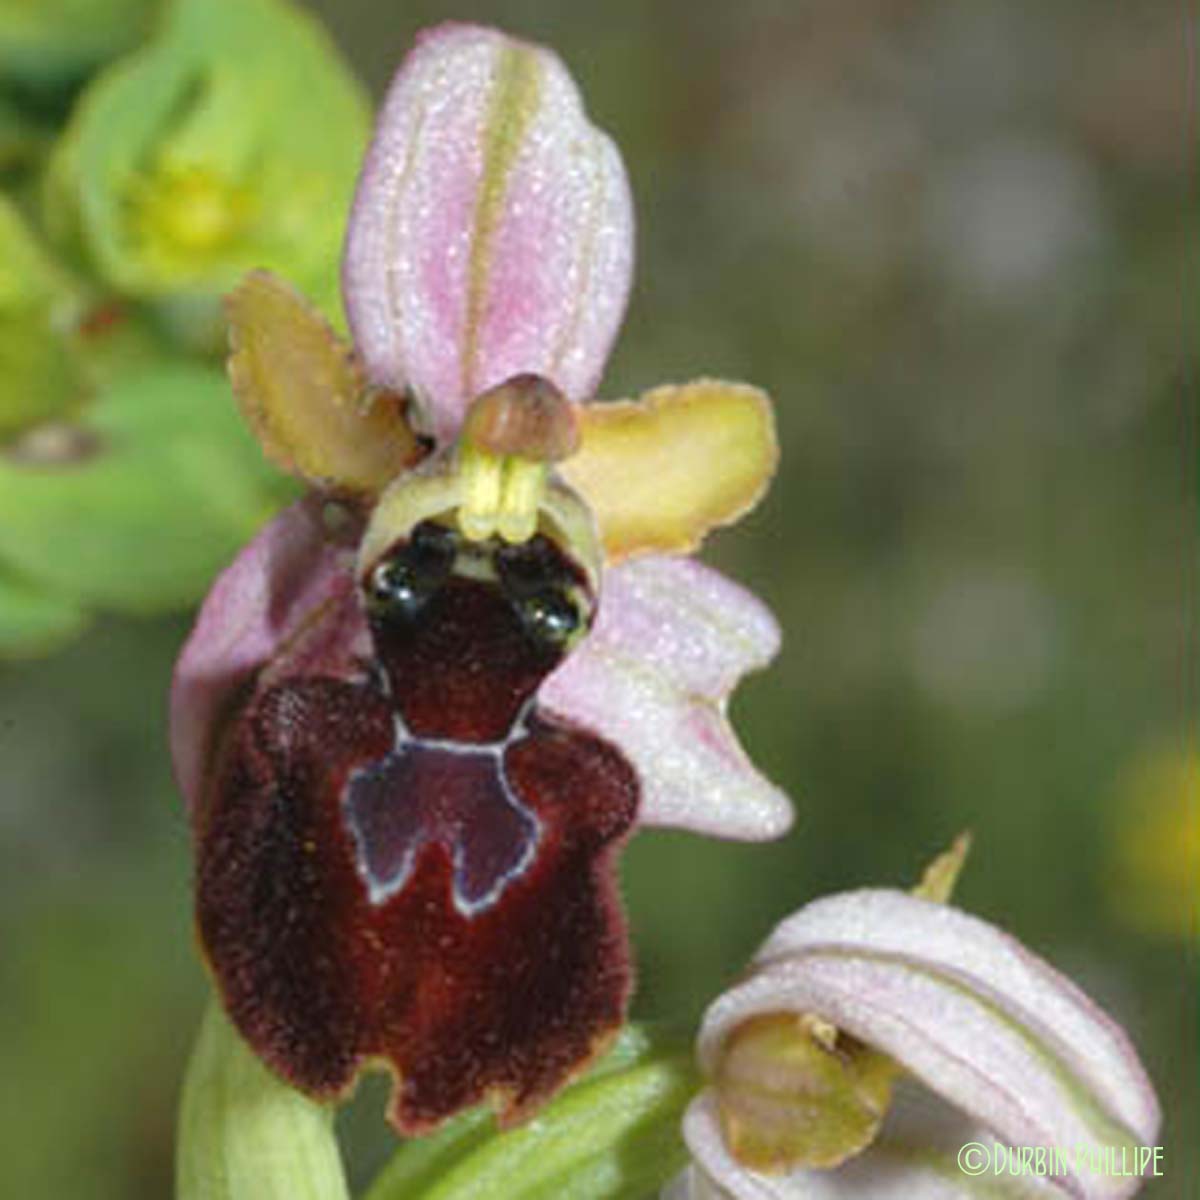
(244, 1134)
(231, 141)
(138, 501)
(614, 1134)
(46, 44)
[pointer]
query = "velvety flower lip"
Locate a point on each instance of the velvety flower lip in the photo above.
(493, 229)
(991, 1030)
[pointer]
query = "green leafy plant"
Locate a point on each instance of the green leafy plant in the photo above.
(151, 154)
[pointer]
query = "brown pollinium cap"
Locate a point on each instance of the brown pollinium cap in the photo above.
(526, 416)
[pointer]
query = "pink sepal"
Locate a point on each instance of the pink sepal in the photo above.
(279, 582)
(671, 641)
(486, 240)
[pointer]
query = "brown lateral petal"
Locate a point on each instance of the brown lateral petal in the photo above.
(301, 390)
(662, 471)
(338, 936)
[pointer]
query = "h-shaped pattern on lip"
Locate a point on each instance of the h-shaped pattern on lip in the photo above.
(456, 796)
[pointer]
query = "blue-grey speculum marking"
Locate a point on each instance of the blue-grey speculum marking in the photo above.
(440, 793)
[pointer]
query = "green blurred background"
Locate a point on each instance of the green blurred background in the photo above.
(955, 241)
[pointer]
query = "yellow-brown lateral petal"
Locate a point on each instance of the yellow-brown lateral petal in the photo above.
(660, 472)
(790, 1096)
(301, 391)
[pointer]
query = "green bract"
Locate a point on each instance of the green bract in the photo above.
(137, 503)
(612, 1136)
(47, 43)
(230, 141)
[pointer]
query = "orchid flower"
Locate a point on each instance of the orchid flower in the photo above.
(422, 710)
(992, 1056)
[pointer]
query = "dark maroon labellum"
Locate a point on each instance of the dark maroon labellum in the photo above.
(405, 860)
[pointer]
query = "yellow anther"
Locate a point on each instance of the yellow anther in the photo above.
(482, 477)
(501, 494)
(524, 486)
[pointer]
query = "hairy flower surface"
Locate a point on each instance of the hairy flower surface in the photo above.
(413, 738)
(988, 1048)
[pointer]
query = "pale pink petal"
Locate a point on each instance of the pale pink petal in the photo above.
(963, 1007)
(914, 1158)
(489, 237)
(672, 639)
(278, 582)
(692, 1183)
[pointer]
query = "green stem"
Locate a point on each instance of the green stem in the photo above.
(245, 1135)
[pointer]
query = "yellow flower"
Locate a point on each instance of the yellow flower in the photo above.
(1155, 846)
